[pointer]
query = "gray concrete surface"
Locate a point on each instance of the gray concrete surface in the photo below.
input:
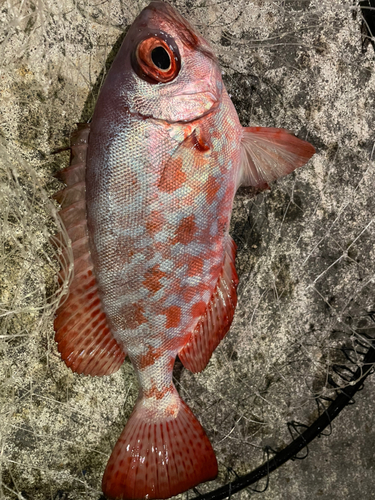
(339, 466)
(305, 249)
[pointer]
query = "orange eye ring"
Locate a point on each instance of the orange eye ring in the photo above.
(156, 59)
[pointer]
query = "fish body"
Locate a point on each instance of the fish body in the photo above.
(148, 206)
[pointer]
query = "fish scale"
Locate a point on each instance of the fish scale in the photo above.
(147, 206)
(187, 219)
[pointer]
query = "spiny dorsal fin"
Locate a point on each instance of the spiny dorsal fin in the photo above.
(216, 320)
(84, 339)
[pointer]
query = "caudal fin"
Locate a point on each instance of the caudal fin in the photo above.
(159, 456)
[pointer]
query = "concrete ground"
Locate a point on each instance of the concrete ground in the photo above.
(305, 249)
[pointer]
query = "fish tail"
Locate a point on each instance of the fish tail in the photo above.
(162, 451)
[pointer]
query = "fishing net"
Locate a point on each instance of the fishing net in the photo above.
(304, 326)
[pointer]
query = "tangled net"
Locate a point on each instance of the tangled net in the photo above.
(305, 249)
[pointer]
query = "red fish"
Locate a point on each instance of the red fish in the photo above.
(147, 207)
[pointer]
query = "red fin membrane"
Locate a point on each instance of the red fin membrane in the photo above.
(84, 339)
(159, 457)
(216, 321)
(270, 153)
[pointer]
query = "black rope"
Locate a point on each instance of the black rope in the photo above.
(344, 398)
(368, 23)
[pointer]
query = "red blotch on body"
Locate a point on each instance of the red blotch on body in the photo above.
(172, 409)
(155, 393)
(216, 133)
(155, 222)
(150, 357)
(173, 177)
(211, 188)
(170, 364)
(152, 279)
(222, 224)
(186, 231)
(132, 315)
(188, 293)
(198, 309)
(195, 266)
(173, 314)
(163, 248)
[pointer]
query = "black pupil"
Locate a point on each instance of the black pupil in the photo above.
(160, 58)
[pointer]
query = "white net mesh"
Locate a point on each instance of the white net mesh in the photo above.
(306, 249)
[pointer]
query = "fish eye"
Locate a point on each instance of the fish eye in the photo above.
(156, 59)
(160, 58)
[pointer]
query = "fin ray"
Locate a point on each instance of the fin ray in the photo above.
(159, 454)
(270, 153)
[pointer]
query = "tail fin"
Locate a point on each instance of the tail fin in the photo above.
(159, 453)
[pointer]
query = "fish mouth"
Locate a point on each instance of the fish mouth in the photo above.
(207, 101)
(209, 97)
(191, 106)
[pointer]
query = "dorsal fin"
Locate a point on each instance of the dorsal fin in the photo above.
(84, 338)
(270, 153)
(216, 320)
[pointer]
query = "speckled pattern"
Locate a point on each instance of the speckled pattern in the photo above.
(159, 204)
(159, 232)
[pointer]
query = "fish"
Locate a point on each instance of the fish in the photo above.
(147, 207)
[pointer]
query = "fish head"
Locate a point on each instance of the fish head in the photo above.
(164, 69)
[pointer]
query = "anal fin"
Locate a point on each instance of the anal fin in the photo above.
(216, 320)
(82, 332)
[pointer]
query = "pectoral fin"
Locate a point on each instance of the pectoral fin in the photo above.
(270, 153)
